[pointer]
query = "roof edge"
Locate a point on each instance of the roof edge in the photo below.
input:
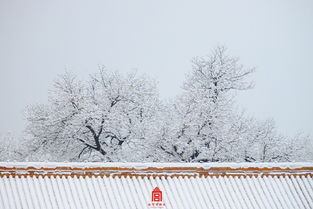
(155, 169)
(284, 165)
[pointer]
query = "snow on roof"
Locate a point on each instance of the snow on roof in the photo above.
(132, 185)
(148, 169)
(291, 165)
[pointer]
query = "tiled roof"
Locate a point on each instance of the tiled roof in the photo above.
(183, 186)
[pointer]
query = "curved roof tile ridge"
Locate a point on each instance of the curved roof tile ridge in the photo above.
(291, 165)
(154, 169)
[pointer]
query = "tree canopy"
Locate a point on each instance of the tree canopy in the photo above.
(117, 117)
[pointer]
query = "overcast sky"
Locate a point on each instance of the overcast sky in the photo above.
(40, 39)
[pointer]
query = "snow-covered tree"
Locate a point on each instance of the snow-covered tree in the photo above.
(116, 117)
(96, 120)
(12, 147)
(204, 110)
(205, 125)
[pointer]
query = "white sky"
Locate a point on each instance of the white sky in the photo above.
(40, 39)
